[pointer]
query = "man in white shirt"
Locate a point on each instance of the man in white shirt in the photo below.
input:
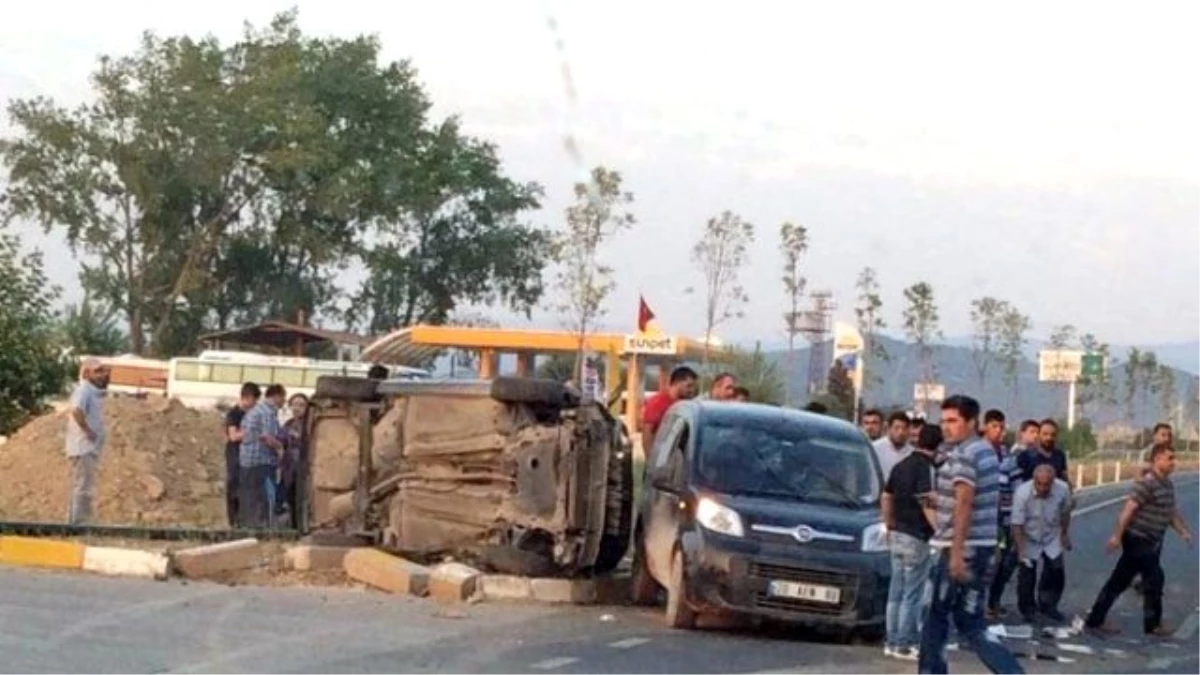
(1041, 517)
(894, 446)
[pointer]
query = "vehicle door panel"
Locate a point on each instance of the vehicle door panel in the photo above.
(663, 524)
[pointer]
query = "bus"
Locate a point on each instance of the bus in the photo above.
(131, 375)
(215, 378)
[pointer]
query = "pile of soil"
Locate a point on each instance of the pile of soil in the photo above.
(163, 465)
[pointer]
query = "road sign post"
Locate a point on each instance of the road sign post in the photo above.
(1062, 366)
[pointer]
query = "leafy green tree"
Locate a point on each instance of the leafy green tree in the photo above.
(459, 240)
(756, 372)
(987, 314)
(31, 368)
(1063, 336)
(870, 325)
(601, 210)
(1133, 382)
(721, 253)
(1164, 380)
(91, 328)
(1014, 327)
(793, 240)
(1099, 390)
(921, 321)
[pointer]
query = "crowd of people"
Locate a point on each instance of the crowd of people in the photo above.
(964, 511)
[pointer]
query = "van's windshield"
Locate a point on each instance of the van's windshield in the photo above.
(786, 459)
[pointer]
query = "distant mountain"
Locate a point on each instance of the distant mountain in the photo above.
(1183, 356)
(955, 369)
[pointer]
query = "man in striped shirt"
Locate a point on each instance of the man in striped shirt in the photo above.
(259, 456)
(1141, 527)
(965, 533)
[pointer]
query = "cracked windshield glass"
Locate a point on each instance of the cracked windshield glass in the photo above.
(565, 337)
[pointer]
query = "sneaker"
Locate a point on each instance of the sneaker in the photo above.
(906, 654)
(1161, 632)
(889, 651)
(996, 613)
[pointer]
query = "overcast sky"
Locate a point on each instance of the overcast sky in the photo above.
(1045, 153)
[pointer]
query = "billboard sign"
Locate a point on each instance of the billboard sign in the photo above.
(1060, 365)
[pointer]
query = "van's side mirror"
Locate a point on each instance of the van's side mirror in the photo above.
(663, 479)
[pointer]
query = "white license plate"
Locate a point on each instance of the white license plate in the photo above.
(812, 592)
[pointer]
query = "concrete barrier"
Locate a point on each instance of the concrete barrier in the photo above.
(36, 552)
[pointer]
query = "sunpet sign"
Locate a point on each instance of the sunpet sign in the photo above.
(650, 344)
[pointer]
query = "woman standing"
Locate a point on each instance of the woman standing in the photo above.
(295, 438)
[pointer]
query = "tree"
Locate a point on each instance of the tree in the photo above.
(90, 328)
(1164, 380)
(841, 392)
(458, 241)
(31, 370)
(1062, 337)
(987, 314)
(721, 253)
(1101, 389)
(1014, 326)
(794, 242)
(759, 374)
(870, 324)
(1132, 370)
(599, 212)
(921, 325)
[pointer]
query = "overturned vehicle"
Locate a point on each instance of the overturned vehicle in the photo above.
(515, 475)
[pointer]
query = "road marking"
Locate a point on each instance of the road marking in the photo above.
(555, 663)
(1101, 505)
(1188, 627)
(628, 643)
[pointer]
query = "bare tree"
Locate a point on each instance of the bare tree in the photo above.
(987, 313)
(794, 241)
(721, 253)
(599, 212)
(921, 325)
(870, 324)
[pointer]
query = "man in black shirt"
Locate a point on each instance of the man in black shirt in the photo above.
(233, 443)
(1046, 452)
(908, 505)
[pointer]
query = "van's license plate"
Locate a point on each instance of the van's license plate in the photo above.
(811, 592)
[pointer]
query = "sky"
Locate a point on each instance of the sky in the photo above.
(1043, 153)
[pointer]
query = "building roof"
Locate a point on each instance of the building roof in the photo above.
(283, 334)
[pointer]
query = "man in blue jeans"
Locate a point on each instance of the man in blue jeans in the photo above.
(908, 511)
(965, 534)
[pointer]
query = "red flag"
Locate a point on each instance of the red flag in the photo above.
(645, 315)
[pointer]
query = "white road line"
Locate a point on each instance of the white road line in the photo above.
(628, 643)
(1101, 505)
(555, 663)
(1188, 627)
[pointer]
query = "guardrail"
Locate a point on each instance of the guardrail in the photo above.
(1106, 472)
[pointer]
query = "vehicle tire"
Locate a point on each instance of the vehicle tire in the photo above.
(679, 614)
(342, 388)
(534, 391)
(515, 561)
(614, 544)
(643, 589)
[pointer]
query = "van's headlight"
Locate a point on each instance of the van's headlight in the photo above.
(718, 518)
(874, 538)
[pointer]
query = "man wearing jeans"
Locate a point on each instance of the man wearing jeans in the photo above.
(1041, 517)
(965, 534)
(258, 457)
(908, 511)
(85, 438)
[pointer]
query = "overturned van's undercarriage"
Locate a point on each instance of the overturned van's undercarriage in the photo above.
(514, 474)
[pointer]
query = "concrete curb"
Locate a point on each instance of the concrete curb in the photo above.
(56, 554)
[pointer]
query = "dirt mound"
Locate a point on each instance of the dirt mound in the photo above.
(163, 465)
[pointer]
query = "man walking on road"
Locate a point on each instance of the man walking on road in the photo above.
(968, 508)
(1046, 452)
(1006, 553)
(908, 507)
(1027, 439)
(872, 424)
(85, 438)
(1041, 518)
(1141, 527)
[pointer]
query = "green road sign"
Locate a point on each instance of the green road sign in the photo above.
(1093, 365)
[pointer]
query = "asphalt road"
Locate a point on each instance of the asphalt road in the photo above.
(56, 622)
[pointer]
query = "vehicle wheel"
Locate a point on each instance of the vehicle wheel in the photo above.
(643, 589)
(618, 510)
(339, 387)
(679, 614)
(536, 391)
